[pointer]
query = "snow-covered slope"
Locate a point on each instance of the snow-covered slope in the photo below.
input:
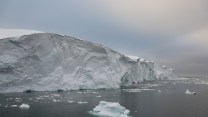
(5, 33)
(46, 61)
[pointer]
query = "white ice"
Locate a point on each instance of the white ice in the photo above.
(13, 105)
(189, 92)
(80, 102)
(110, 109)
(5, 33)
(137, 90)
(24, 106)
(48, 62)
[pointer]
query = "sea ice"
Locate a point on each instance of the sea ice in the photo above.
(13, 106)
(70, 101)
(110, 109)
(137, 90)
(189, 92)
(24, 106)
(55, 100)
(82, 102)
(131, 90)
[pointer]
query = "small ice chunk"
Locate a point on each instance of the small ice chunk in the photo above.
(55, 100)
(98, 96)
(137, 90)
(13, 105)
(189, 92)
(18, 99)
(55, 95)
(82, 102)
(70, 101)
(110, 109)
(24, 106)
(159, 91)
(131, 90)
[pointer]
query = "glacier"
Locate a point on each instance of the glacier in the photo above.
(51, 62)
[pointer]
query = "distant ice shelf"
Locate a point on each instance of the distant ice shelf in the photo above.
(52, 62)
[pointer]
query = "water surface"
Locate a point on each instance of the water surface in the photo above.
(157, 99)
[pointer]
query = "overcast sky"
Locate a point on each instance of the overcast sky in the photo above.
(172, 32)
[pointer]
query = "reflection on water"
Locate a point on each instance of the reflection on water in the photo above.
(156, 99)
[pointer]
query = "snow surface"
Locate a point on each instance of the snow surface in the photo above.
(6, 33)
(24, 106)
(51, 62)
(110, 109)
(133, 57)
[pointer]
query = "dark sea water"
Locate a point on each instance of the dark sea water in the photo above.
(158, 99)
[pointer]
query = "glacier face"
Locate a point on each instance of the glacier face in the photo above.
(48, 62)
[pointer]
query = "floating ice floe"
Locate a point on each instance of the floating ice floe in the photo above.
(137, 90)
(55, 100)
(55, 95)
(70, 101)
(189, 92)
(18, 99)
(98, 96)
(110, 109)
(24, 106)
(131, 90)
(13, 105)
(82, 102)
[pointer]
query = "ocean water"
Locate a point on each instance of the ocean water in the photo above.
(165, 98)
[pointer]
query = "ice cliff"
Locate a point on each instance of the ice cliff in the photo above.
(50, 62)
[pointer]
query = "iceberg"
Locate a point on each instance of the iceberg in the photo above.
(82, 102)
(51, 62)
(110, 109)
(24, 106)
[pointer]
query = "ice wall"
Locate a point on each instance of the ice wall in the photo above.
(48, 62)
